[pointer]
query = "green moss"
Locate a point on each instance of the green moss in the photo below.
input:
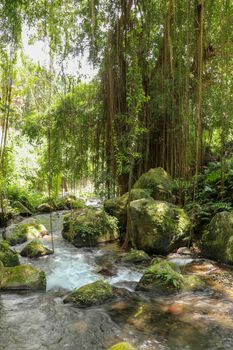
(157, 182)
(118, 206)
(7, 256)
(70, 202)
(89, 228)
(217, 240)
(136, 256)
(22, 232)
(158, 227)
(166, 276)
(192, 283)
(122, 346)
(35, 249)
(23, 277)
(91, 294)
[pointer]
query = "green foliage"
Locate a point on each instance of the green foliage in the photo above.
(29, 198)
(166, 272)
(93, 223)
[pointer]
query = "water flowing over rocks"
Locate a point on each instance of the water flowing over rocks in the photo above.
(146, 320)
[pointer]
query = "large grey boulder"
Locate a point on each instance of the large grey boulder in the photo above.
(158, 227)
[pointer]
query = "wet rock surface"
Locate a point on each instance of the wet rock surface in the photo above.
(52, 325)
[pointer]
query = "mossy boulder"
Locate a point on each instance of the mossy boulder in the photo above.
(35, 249)
(69, 202)
(217, 240)
(45, 208)
(22, 209)
(157, 182)
(118, 206)
(8, 257)
(23, 277)
(94, 293)
(20, 233)
(165, 276)
(90, 228)
(158, 227)
(122, 346)
(136, 257)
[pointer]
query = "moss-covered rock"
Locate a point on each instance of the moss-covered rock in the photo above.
(136, 256)
(90, 228)
(17, 234)
(165, 276)
(91, 294)
(45, 208)
(7, 256)
(118, 206)
(22, 209)
(35, 249)
(23, 277)
(122, 346)
(158, 227)
(70, 202)
(218, 238)
(157, 182)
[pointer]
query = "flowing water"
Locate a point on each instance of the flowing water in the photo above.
(189, 321)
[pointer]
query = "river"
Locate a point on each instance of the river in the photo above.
(188, 321)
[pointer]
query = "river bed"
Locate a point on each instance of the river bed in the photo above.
(188, 321)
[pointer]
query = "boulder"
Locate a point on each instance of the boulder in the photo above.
(90, 228)
(20, 233)
(35, 249)
(157, 182)
(7, 256)
(136, 256)
(118, 206)
(69, 202)
(158, 227)
(217, 241)
(23, 277)
(94, 293)
(45, 208)
(165, 276)
(122, 346)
